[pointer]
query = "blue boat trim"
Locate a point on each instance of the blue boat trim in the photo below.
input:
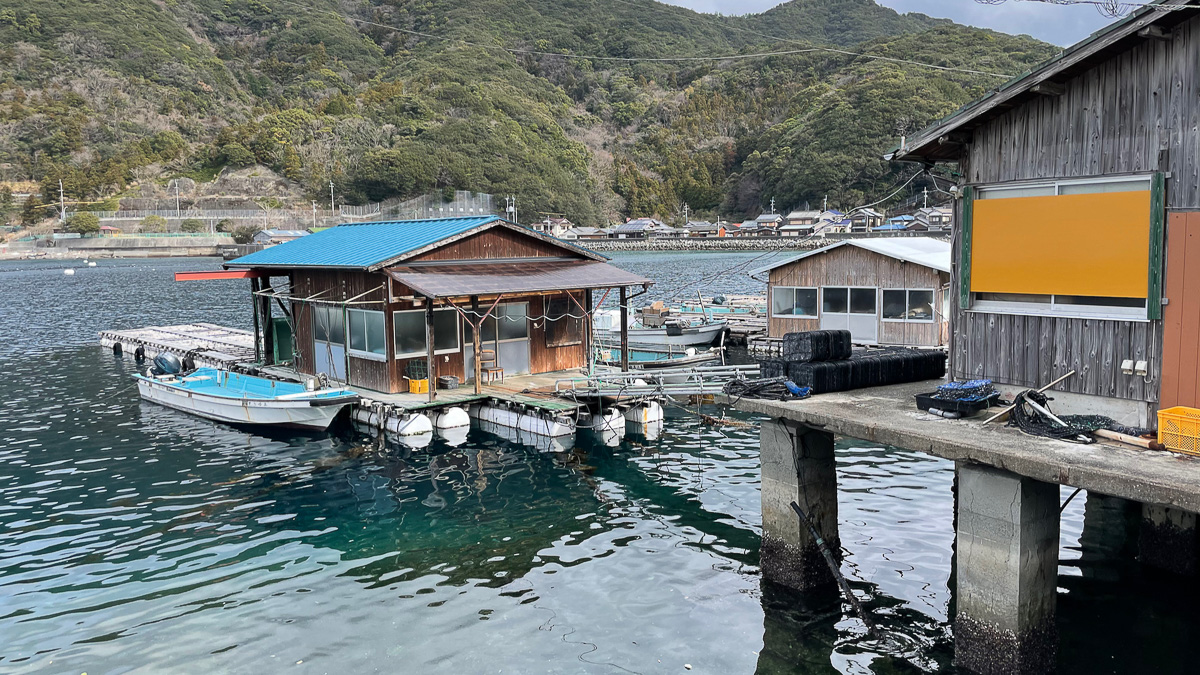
(238, 387)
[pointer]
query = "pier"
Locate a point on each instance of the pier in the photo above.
(1007, 509)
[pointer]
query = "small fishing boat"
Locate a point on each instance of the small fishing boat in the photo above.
(235, 398)
(649, 357)
(658, 329)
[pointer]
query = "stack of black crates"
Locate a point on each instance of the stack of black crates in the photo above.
(825, 361)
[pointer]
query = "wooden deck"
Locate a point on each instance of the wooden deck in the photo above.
(209, 344)
(532, 391)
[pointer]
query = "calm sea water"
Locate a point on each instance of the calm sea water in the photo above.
(137, 539)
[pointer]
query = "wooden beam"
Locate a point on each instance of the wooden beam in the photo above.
(624, 300)
(1048, 88)
(477, 328)
(1154, 33)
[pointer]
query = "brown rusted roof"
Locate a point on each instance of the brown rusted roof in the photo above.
(491, 278)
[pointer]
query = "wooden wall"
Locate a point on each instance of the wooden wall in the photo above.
(854, 266)
(498, 242)
(340, 285)
(1181, 316)
(1137, 112)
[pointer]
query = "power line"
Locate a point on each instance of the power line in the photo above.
(1109, 8)
(647, 59)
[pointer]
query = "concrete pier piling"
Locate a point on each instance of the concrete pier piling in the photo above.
(798, 465)
(1007, 571)
(1167, 540)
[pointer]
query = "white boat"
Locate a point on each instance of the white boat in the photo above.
(245, 399)
(682, 332)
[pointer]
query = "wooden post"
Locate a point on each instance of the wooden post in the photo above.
(589, 333)
(624, 300)
(254, 305)
(429, 369)
(268, 356)
(477, 326)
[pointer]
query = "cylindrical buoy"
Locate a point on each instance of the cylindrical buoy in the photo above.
(91, 264)
(69, 272)
(452, 418)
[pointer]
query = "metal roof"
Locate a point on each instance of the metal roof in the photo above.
(374, 244)
(485, 278)
(924, 251)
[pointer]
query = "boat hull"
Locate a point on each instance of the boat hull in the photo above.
(689, 336)
(300, 414)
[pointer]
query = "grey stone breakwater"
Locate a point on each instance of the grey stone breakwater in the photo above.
(698, 244)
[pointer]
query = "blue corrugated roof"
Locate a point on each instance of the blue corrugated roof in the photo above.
(360, 245)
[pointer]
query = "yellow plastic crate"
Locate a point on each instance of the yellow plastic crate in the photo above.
(1179, 430)
(418, 386)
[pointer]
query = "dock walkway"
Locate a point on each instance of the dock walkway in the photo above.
(888, 415)
(209, 344)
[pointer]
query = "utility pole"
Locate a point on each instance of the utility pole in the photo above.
(176, 181)
(926, 191)
(511, 208)
(314, 203)
(331, 207)
(825, 204)
(772, 205)
(62, 203)
(685, 213)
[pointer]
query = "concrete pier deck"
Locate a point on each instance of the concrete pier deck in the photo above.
(888, 415)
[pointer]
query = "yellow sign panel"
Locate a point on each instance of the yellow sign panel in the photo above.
(1086, 244)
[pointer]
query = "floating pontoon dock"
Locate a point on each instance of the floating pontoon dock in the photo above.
(208, 344)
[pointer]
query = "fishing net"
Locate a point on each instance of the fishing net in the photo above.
(973, 390)
(1078, 429)
(773, 388)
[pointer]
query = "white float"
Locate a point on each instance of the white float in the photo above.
(402, 424)
(451, 418)
(91, 264)
(645, 413)
(69, 272)
(523, 421)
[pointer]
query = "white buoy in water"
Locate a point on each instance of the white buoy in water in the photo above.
(454, 436)
(69, 272)
(452, 418)
(91, 264)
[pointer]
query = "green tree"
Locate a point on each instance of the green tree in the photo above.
(243, 234)
(225, 225)
(154, 224)
(33, 211)
(83, 223)
(236, 155)
(192, 226)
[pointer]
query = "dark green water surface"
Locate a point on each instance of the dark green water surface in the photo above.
(138, 539)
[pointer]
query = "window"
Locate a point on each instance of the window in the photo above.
(367, 338)
(328, 324)
(564, 322)
(511, 319)
(862, 300)
(794, 303)
(835, 300)
(1083, 306)
(409, 330)
(1095, 235)
(911, 305)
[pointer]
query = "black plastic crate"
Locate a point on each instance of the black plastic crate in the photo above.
(967, 408)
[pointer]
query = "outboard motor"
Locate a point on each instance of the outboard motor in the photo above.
(167, 363)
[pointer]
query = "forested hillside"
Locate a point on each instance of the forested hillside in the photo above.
(398, 97)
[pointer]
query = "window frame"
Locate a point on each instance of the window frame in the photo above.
(793, 289)
(425, 352)
(546, 321)
(359, 353)
(1053, 309)
(1150, 311)
(908, 305)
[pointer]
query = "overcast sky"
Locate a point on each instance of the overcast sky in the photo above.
(1061, 25)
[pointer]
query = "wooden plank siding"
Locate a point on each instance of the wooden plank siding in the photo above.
(852, 266)
(493, 244)
(1137, 112)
